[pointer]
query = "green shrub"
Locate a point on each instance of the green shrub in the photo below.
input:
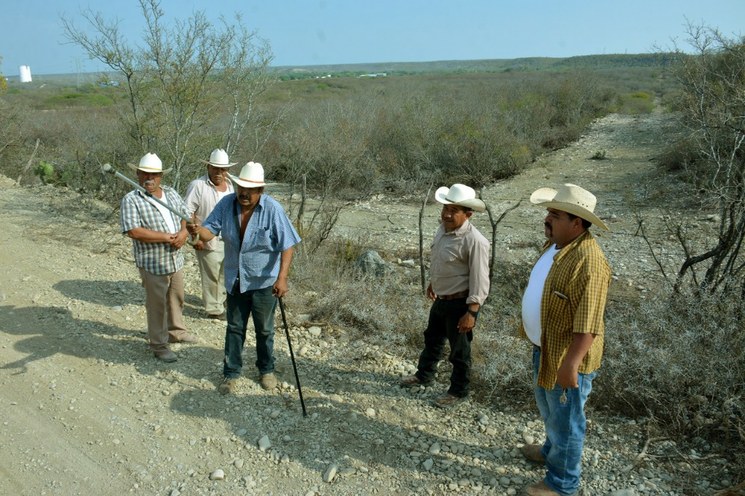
(598, 155)
(46, 172)
(681, 155)
(638, 102)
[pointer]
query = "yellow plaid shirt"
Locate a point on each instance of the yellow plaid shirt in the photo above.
(573, 301)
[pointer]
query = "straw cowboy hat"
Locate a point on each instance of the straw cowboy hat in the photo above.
(569, 198)
(149, 163)
(461, 195)
(251, 176)
(219, 158)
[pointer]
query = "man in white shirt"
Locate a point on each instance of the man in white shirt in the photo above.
(201, 197)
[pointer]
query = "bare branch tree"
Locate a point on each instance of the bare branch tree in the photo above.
(713, 81)
(494, 223)
(176, 81)
(422, 271)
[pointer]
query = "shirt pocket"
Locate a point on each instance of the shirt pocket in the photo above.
(449, 255)
(560, 309)
(262, 239)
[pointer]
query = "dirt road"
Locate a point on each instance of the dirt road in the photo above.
(87, 410)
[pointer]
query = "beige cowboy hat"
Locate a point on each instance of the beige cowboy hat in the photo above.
(150, 163)
(461, 195)
(251, 176)
(569, 198)
(219, 158)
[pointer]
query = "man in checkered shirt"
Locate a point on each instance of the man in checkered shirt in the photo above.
(563, 312)
(157, 237)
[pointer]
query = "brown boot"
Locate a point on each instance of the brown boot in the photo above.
(412, 381)
(449, 401)
(227, 386)
(539, 489)
(166, 356)
(533, 453)
(268, 381)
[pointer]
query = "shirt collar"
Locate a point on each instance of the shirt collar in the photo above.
(462, 230)
(569, 247)
(209, 181)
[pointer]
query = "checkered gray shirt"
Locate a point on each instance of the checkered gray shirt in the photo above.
(137, 211)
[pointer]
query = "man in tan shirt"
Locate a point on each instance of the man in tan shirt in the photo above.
(459, 284)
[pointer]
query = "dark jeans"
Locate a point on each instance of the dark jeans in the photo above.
(260, 304)
(443, 325)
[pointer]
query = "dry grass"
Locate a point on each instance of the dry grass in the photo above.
(678, 359)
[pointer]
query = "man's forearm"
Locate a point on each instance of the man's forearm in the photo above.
(581, 344)
(285, 260)
(204, 233)
(148, 236)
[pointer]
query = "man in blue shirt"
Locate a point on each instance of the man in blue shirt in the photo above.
(259, 244)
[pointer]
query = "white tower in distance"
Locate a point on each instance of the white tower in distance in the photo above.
(25, 72)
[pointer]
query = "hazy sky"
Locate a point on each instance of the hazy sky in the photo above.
(311, 32)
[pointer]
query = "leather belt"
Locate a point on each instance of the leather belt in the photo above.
(454, 296)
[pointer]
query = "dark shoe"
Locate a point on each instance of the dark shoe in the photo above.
(539, 489)
(227, 386)
(533, 453)
(268, 381)
(166, 356)
(449, 401)
(186, 338)
(412, 381)
(216, 316)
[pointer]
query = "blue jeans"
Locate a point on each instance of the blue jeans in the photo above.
(443, 325)
(565, 425)
(260, 304)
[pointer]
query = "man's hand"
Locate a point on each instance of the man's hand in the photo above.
(466, 323)
(567, 376)
(199, 245)
(178, 239)
(431, 294)
(280, 287)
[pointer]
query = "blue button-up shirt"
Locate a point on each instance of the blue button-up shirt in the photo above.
(269, 232)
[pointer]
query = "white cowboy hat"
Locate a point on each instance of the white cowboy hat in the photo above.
(150, 163)
(569, 198)
(461, 195)
(219, 158)
(251, 176)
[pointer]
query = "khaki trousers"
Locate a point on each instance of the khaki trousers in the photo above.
(164, 304)
(212, 271)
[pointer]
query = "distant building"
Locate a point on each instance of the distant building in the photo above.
(374, 75)
(25, 73)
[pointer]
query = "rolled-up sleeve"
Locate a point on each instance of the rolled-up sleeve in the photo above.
(478, 281)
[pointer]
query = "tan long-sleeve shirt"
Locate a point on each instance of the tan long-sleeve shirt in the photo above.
(460, 262)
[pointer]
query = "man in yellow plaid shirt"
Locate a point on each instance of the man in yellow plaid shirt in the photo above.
(563, 311)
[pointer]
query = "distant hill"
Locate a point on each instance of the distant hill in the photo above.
(594, 62)
(610, 61)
